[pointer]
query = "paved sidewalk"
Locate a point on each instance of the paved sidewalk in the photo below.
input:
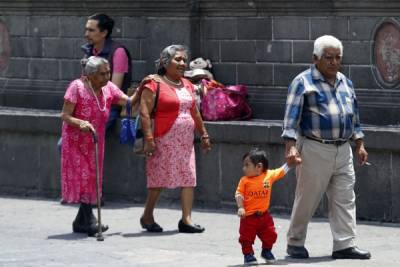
(36, 232)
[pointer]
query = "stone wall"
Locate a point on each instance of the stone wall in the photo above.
(262, 44)
(30, 165)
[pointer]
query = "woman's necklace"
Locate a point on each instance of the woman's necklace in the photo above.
(97, 100)
(172, 82)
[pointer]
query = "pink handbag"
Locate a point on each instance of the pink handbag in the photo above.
(225, 103)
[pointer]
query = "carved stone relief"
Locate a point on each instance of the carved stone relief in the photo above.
(386, 54)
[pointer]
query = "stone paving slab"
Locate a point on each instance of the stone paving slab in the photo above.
(37, 232)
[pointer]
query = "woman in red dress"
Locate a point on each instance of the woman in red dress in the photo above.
(87, 104)
(169, 148)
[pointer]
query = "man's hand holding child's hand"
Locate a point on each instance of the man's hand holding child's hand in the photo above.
(293, 157)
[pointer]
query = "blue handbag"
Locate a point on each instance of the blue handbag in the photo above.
(127, 134)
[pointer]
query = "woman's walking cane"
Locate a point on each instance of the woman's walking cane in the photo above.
(99, 234)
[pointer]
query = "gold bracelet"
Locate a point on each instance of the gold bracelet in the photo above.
(149, 138)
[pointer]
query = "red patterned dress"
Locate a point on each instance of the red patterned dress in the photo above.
(173, 163)
(78, 166)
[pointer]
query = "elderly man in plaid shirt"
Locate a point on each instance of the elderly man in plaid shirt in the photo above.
(321, 118)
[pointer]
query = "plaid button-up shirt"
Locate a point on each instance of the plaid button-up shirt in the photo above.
(316, 109)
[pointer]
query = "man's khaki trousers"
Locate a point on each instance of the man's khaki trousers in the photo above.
(324, 169)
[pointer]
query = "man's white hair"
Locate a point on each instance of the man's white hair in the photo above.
(326, 41)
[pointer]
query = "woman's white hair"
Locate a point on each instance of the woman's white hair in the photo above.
(326, 41)
(91, 65)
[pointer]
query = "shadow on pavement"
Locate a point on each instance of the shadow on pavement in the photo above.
(287, 260)
(145, 233)
(69, 236)
(111, 234)
(261, 262)
(77, 236)
(311, 260)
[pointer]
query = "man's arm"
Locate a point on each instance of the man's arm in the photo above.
(120, 66)
(293, 110)
(362, 154)
(358, 135)
(117, 79)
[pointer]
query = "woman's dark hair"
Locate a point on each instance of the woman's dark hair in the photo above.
(256, 156)
(104, 23)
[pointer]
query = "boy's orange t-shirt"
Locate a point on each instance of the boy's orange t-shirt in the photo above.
(256, 196)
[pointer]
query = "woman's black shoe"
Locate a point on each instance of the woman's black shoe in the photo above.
(152, 227)
(90, 221)
(186, 228)
(78, 228)
(78, 225)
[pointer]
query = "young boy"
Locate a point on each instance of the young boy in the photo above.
(253, 197)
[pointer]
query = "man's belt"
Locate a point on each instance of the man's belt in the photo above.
(337, 142)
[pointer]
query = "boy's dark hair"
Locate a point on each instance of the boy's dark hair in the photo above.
(256, 156)
(104, 23)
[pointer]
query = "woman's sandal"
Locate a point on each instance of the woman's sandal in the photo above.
(153, 227)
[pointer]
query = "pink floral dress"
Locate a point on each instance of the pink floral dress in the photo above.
(173, 163)
(78, 165)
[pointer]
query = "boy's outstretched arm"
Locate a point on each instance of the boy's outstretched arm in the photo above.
(275, 175)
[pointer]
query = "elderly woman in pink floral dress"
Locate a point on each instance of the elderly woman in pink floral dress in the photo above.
(87, 104)
(169, 148)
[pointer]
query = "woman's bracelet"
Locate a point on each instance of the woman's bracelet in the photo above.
(149, 138)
